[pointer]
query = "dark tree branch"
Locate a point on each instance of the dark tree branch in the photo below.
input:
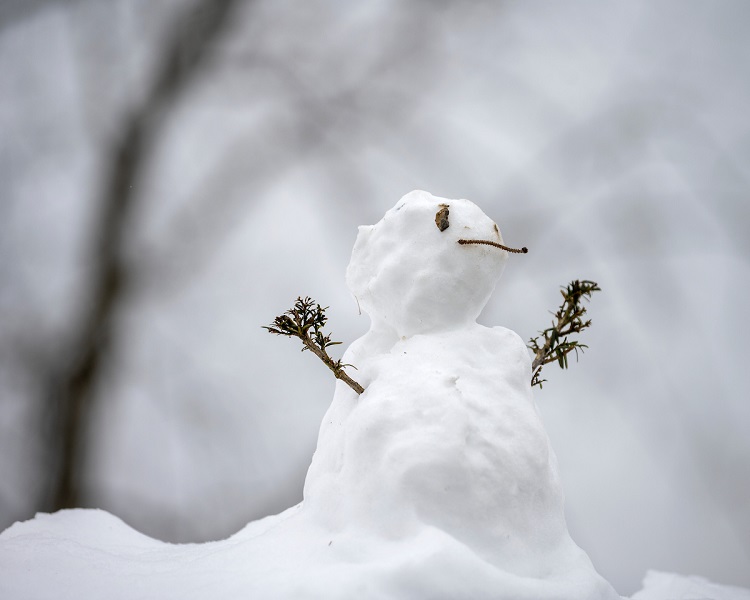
(71, 392)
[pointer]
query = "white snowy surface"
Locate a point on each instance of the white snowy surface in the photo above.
(437, 482)
(90, 554)
(670, 586)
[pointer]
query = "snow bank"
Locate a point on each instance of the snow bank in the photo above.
(668, 586)
(437, 482)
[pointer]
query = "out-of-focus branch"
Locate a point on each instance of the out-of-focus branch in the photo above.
(71, 393)
(322, 117)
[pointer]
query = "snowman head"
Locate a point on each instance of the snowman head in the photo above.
(410, 272)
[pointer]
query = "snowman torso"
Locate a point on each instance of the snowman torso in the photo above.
(446, 435)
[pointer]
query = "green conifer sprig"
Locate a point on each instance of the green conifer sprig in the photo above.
(305, 320)
(568, 321)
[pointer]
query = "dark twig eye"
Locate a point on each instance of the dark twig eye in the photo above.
(441, 218)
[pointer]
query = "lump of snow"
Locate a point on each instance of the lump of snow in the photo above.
(663, 586)
(437, 482)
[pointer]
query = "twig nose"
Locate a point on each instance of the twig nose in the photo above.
(523, 250)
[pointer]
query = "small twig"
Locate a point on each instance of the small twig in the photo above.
(306, 321)
(523, 250)
(556, 346)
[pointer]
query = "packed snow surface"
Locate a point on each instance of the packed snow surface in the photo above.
(437, 482)
(670, 586)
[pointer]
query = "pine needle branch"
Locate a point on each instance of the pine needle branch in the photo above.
(306, 321)
(556, 346)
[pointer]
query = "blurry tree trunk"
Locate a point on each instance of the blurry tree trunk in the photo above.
(72, 395)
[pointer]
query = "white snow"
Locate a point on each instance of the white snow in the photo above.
(661, 586)
(437, 482)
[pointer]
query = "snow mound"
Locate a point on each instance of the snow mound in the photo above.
(670, 586)
(437, 482)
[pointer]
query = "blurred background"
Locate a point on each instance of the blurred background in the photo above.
(174, 174)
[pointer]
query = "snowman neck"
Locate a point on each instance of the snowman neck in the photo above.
(523, 250)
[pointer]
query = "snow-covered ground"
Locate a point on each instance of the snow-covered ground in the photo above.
(439, 481)
(90, 554)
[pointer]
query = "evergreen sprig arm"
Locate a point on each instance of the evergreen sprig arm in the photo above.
(306, 321)
(554, 344)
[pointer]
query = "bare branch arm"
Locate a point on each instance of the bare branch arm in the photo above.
(568, 320)
(299, 321)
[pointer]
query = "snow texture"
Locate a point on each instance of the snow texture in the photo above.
(663, 586)
(437, 482)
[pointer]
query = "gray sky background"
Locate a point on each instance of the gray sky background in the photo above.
(612, 139)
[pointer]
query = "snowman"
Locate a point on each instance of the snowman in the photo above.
(444, 455)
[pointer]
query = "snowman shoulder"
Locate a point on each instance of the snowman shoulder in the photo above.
(510, 343)
(376, 341)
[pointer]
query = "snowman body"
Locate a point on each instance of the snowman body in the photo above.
(446, 436)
